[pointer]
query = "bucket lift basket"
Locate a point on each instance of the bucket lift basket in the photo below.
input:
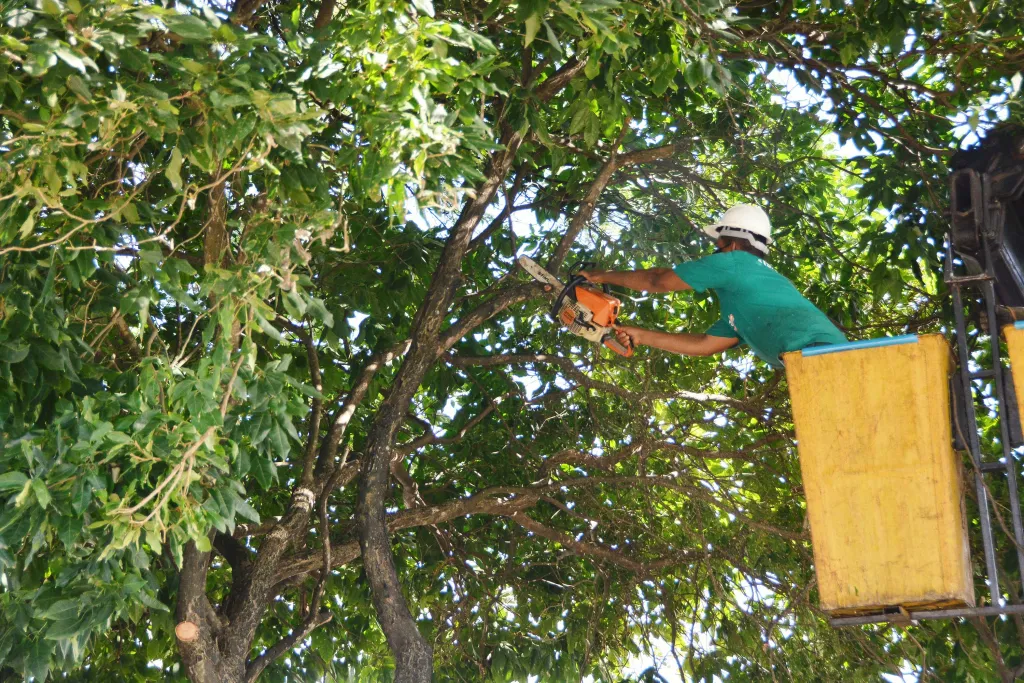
(984, 266)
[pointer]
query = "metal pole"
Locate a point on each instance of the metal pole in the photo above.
(974, 445)
(1004, 430)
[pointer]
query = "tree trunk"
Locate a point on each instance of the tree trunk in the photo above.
(413, 654)
(201, 655)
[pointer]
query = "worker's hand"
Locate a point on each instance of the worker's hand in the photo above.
(629, 336)
(594, 276)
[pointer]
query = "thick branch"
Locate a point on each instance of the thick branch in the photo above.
(413, 654)
(324, 15)
(487, 310)
(431, 439)
(316, 409)
(575, 374)
(488, 502)
(232, 550)
(200, 654)
(247, 602)
(585, 211)
(315, 618)
(342, 419)
(215, 241)
(551, 87)
(594, 549)
(256, 666)
(506, 211)
(586, 208)
(244, 11)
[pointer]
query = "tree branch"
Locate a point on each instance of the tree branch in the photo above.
(552, 86)
(342, 419)
(430, 438)
(316, 408)
(586, 208)
(494, 501)
(314, 618)
(478, 316)
(413, 654)
(256, 666)
(325, 14)
(987, 637)
(575, 374)
(596, 550)
(199, 653)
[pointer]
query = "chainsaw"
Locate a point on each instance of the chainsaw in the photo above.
(587, 311)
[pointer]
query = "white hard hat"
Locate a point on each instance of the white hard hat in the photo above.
(744, 221)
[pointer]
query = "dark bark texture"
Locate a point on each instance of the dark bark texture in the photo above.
(413, 654)
(222, 648)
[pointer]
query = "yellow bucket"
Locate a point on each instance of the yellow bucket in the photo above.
(883, 483)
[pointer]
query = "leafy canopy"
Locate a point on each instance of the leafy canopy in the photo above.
(218, 228)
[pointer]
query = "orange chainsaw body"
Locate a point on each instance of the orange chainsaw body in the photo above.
(591, 314)
(587, 311)
(603, 307)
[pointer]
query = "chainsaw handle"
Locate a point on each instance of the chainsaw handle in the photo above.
(576, 279)
(575, 268)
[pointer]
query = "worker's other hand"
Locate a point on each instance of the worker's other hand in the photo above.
(629, 336)
(595, 276)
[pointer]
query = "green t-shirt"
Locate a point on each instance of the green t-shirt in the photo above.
(759, 305)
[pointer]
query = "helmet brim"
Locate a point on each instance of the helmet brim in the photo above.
(714, 232)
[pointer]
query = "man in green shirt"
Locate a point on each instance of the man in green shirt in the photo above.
(760, 307)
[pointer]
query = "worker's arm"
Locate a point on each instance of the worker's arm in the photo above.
(684, 343)
(650, 280)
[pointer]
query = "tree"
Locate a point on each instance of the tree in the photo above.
(218, 323)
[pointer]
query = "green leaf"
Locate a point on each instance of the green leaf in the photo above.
(61, 610)
(284, 106)
(264, 470)
(191, 28)
(41, 492)
(69, 531)
(150, 601)
(12, 480)
(693, 75)
(13, 352)
(532, 26)
(847, 53)
(203, 544)
(66, 629)
(579, 119)
(26, 227)
(70, 58)
(424, 7)
(37, 658)
(242, 507)
(79, 87)
(552, 38)
(269, 329)
(173, 170)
